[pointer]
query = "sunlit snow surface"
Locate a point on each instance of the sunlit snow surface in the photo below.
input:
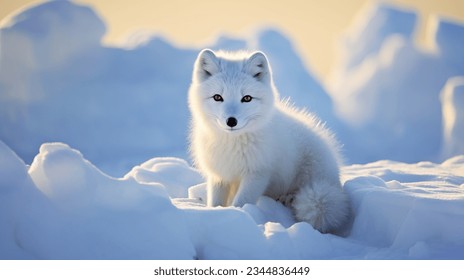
(63, 207)
(120, 107)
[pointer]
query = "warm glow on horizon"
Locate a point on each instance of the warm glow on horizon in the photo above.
(313, 26)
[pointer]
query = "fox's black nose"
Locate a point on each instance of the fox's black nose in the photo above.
(231, 121)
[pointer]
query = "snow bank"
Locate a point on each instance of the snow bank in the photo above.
(63, 207)
(387, 89)
(370, 28)
(411, 209)
(93, 216)
(108, 102)
(17, 214)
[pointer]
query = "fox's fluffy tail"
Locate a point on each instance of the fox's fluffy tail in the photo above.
(325, 206)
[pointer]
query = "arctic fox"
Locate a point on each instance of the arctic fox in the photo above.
(249, 143)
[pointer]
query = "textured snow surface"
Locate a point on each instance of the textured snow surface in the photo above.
(63, 207)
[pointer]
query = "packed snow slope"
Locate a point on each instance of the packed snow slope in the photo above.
(114, 194)
(63, 207)
(123, 105)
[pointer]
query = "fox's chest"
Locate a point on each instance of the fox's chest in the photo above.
(233, 157)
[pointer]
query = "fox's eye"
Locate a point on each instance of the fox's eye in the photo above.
(218, 98)
(246, 98)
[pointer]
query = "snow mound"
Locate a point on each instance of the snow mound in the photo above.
(448, 37)
(387, 89)
(372, 25)
(18, 198)
(404, 206)
(173, 173)
(48, 35)
(63, 207)
(71, 210)
(59, 83)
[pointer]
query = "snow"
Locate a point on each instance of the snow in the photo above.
(452, 99)
(63, 207)
(85, 214)
(93, 144)
(173, 173)
(387, 89)
(403, 206)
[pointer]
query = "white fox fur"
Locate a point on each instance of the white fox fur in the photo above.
(249, 143)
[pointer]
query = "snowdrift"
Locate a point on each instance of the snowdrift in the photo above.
(387, 89)
(63, 207)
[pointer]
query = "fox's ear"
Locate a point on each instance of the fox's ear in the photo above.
(206, 65)
(258, 66)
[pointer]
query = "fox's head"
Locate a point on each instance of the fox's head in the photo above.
(232, 92)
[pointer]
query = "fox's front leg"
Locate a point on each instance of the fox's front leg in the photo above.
(250, 189)
(217, 193)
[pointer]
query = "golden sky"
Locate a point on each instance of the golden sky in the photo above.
(313, 25)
